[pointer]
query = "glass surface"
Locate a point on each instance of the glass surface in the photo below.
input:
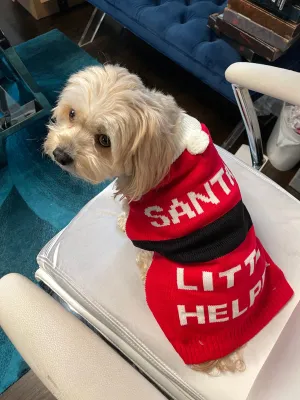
(16, 101)
(11, 112)
(21, 100)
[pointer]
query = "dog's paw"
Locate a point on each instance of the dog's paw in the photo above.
(121, 222)
(143, 261)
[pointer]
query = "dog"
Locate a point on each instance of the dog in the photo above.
(209, 282)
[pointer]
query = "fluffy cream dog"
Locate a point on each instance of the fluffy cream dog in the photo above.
(108, 124)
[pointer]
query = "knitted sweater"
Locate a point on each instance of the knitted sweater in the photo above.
(211, 285)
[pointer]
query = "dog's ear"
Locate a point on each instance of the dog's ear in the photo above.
(150, 151)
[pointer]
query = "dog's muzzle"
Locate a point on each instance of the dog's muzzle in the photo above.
(62, 157)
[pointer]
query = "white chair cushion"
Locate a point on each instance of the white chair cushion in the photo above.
(91, 265)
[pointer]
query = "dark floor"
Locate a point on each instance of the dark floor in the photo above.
(116, 45)
(29, 387)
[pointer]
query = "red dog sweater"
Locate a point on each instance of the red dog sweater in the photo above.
(211, 285)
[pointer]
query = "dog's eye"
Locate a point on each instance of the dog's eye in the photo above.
(53, 120)
(72, 114)
(103, 140)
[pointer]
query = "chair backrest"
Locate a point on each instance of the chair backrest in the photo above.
(272, 81)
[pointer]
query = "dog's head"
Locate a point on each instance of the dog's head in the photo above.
(107, 124)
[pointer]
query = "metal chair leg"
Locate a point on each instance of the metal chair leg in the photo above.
(239, 130)
(98, 16)
(249, 116)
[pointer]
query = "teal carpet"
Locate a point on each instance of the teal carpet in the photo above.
(37, 198)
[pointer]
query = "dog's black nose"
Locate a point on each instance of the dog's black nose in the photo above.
(62, 157)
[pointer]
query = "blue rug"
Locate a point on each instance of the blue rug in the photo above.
(37, 198)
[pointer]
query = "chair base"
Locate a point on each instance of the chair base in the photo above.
(243, 154)
(97, 18)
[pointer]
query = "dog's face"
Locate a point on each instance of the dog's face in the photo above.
(89, 120)
(107, 124)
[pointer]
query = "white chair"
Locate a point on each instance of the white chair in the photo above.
(90, 265)
(275, 82)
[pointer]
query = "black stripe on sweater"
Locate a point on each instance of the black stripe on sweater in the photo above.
(208, 243)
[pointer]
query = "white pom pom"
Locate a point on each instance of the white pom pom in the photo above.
(197, 141)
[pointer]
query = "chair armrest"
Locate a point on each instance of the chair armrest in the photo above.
(70, 359)
(272, 81)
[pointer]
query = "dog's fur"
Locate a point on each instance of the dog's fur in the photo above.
(142, 125)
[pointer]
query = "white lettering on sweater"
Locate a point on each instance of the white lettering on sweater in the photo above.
(180, 281)
(164, 220)
(250, 260)
(214, 313)
(186, 210)
(220, 312)
(236, 312)
(229, 175)
(211, 280)
(230, 275)
(194, 201)
(184, 315)
(254, 292)
(208, 284)
(219, 178)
